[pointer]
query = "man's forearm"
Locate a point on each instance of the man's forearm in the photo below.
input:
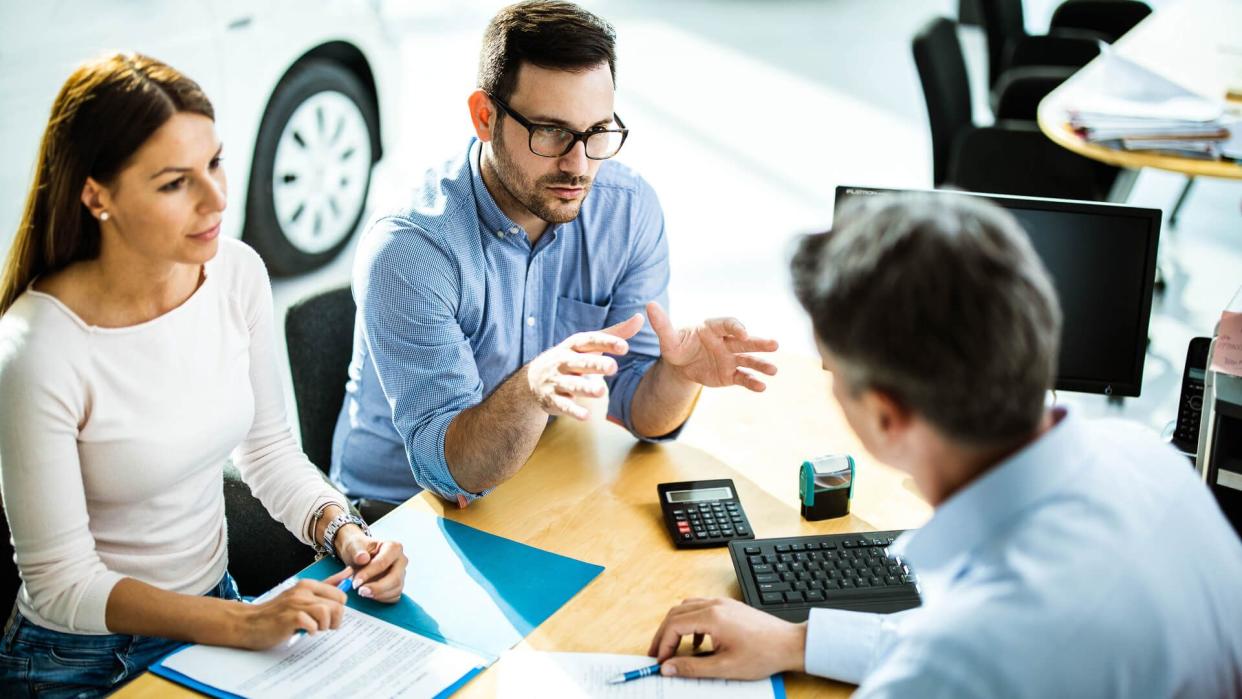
(486, 445)
(662, 401)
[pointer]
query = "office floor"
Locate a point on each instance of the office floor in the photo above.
(744, 115)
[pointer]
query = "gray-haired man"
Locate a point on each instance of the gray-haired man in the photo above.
(1065, 558)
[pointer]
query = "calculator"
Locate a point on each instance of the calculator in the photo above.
(703, 514)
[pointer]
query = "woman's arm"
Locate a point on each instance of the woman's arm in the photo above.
(276, 469)
(135, 607)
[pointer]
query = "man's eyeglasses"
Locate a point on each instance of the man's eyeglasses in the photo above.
(554, 141)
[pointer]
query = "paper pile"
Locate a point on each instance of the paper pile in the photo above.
(1126, 105)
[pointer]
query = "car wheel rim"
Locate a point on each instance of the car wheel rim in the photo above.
(319, 178)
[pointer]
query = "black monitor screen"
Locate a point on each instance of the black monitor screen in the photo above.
(1102, 258)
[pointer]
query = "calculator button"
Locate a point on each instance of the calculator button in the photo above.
(742, 531)
(687, 536)
(698, 534)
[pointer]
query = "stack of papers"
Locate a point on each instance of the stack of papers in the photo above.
(528, 674)
(1125, 105)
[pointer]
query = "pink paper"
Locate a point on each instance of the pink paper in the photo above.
(1227, 352)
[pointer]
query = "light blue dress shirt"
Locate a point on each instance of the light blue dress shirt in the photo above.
(1093, 563)
(453, 298)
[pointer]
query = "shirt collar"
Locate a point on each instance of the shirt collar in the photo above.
(979, 511)
(493, 222)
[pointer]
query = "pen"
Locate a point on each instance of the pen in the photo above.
(635, 674)
(344, 586)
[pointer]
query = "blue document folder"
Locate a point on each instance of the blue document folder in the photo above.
(466, 587)
(463, 587)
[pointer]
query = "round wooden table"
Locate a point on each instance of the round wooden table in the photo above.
(1195, 43)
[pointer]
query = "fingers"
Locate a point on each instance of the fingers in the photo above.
(759, 364)
(589, 386)
(556, 404)
(602, 341)
(695, 666)
(384, 578)
(588, 364)
(743, 378)
(661, 323)
(668, 637)
(727, 327)
(335, 580)
(750, 344)
(627, 328)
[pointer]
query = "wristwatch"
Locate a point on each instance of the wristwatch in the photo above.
(328, 548)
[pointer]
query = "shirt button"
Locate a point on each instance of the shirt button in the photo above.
(530, 320)
(513, 230)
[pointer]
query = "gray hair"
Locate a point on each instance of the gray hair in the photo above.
(940, 302)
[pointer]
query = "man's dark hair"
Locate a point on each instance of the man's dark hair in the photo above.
(545, 33)
(940, 302)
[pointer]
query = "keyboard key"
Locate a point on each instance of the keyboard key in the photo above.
(760, 569)
(773, 577)
(875, 581)
(773, 598)
(812, 546)
(785, 557)
(794, 596)
(775, 587)
(782, 548)
(789, 577)
(801, 586)
(890, 580)
(797, 547)
(755, 560)
(814, 596)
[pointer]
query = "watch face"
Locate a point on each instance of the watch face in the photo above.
(832, 472)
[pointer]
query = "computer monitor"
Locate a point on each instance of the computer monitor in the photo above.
(1102, 258)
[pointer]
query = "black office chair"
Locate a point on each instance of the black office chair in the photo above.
(262, 552)
(1010, 47)
(1107, 18)
(319, 332)
(1010, 157)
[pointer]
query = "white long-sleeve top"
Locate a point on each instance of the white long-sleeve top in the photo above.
(113, 442)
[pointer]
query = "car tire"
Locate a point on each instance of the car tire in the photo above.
(312, 168)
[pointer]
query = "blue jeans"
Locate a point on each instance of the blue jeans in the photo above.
(39, 662)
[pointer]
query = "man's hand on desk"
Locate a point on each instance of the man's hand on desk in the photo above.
(575, 368)
(714, 353)
(747, 644)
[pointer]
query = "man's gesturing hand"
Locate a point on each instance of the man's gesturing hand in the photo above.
(576, 367)
(717, 352)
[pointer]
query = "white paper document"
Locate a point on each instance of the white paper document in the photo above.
(526, 674)
(364, 657)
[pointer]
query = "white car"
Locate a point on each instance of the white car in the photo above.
(303, 101)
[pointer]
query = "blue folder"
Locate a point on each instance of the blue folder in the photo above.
(463, 587)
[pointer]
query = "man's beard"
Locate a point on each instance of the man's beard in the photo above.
(532, 196)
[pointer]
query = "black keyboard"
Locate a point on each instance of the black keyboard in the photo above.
(787, 577)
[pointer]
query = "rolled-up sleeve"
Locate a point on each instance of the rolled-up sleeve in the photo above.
(407, 288)
(645, 279)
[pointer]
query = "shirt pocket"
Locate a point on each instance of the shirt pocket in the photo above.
(574, 316)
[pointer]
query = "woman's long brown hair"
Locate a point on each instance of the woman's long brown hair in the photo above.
(104, 113)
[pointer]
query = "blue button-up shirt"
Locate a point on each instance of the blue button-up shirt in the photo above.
(1093, 563)
(453, 298)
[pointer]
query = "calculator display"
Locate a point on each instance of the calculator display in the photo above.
(699, 495)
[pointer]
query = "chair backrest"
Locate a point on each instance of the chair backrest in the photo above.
(1003, 24)
(319, 332)
(946, 89)
(1109, 18)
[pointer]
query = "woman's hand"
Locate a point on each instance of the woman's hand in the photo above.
(309, 605)
(377, 567)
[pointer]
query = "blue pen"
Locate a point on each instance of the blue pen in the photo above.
(635, 674)
(344, 586)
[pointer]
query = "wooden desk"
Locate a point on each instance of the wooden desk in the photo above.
(589, 491)
(1194, 43)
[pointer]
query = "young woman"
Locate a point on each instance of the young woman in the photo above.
(137, 353)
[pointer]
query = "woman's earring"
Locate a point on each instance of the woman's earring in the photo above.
(103, 215)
